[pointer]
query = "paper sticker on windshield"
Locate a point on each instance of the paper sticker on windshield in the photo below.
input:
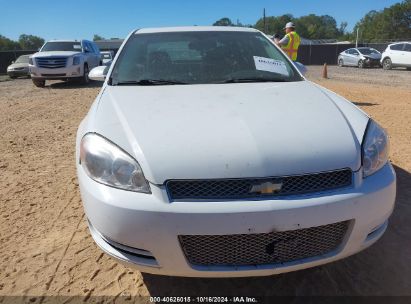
(270, 65)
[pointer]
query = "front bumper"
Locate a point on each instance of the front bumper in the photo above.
(372, 62)
(70, 71)
(150, 224)
(17, 73)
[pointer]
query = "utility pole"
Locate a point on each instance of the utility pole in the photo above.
(356, 40)
(265, 29)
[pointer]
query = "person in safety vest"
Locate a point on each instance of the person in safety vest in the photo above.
(290, 42)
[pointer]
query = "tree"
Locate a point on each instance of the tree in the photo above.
(392, 23)
(97, 37)
(317, 27)
(310, 26)
(274, 25)
(343, 27)
(30, 42)
(224, 22)
(7, 44)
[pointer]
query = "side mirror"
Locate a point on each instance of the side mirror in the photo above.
(12, 62)
(98, 73)
(301, 67)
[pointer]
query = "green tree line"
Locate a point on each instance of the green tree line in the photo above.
(392, 23)
(25, 42)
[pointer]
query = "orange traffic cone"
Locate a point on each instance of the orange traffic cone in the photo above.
(325, 71)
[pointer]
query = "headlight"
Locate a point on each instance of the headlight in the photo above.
(106, 163)
(375, 149)
(76, 60)
(31, 61)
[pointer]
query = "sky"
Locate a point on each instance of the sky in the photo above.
(76, 19)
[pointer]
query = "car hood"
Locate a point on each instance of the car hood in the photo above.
(373, 56)
(231, 130)
(18, 65)
(55, 53)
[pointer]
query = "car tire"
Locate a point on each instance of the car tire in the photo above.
(387, 64)
(340, 62)
(85, 79)
(39, 83)
(361, 64)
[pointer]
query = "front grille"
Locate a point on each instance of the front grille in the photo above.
(262, 248)
(246, 188)
(51, 62)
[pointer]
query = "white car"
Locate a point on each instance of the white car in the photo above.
(208, 154)
(397, 55)
(106, 57)
(64, 60)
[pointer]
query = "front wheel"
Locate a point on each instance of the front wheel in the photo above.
(361, 64)
(39, 83)
(387, 64)
(85, 79)
(340, 62)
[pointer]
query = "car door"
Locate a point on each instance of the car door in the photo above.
(90, 55)
(355, 57)
(96, 54)
(344, 56)
(407, 55)
(397, 53)
(347, 57)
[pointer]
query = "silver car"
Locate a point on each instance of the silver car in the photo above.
(20, 67)
(360, 57)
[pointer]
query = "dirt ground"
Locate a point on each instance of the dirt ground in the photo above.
(45, 246)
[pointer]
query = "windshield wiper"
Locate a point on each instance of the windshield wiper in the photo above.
(149, 82)
(257, 79)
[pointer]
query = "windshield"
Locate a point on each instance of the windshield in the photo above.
(201, 57)
(61, 46)
(23, 59)
(368, 51)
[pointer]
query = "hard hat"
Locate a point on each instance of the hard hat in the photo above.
(289, 24)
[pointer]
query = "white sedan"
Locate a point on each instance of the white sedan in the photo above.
(208, 154)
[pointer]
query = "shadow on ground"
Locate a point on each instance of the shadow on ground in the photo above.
(365, 104)
(74, 85)
(382, 269)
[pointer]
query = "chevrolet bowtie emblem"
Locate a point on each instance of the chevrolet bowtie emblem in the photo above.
(267, 188)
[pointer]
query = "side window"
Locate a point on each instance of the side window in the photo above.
(355, 52)
(348, 51)
(397, 47)
(407, 47)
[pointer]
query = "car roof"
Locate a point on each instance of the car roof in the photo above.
(65, 40)
(400, 42)
(195, 29)
(68, 40)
